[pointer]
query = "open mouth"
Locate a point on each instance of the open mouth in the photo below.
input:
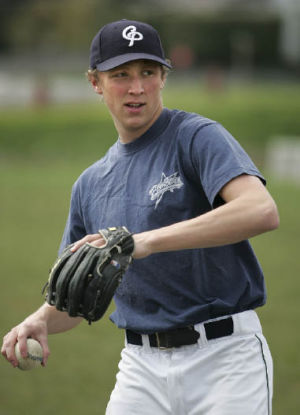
(134, 105)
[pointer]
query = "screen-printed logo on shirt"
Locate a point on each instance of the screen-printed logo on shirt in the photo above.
(166, 184)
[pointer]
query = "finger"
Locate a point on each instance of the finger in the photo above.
(88, 238)
(98, 242)
(22, 340)
(3, 347)
(46, 351)
(8, 348)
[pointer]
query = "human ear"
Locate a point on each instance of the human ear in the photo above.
(96, 85)
(162, 83)
(163, 80)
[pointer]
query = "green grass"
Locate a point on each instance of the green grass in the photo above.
(82, 368)
(278, 254)
(41, 154)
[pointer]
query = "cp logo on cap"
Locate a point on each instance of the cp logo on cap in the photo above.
(130, 33)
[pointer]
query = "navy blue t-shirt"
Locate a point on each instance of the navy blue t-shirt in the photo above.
(173, 172)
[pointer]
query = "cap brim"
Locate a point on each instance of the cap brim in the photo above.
(128, 57)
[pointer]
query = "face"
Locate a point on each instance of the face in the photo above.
(132, 93)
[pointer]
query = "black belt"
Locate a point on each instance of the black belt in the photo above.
(183, 336)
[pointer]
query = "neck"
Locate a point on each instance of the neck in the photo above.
(128, 135)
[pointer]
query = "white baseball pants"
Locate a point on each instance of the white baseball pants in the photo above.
(227, 376)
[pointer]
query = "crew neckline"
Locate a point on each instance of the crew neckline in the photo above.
(149, 136)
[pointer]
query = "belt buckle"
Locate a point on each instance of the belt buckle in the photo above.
(160, 347)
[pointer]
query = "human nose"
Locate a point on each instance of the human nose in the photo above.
(136, 86)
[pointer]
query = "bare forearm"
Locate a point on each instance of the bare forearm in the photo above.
(231, 223)
(56, 321)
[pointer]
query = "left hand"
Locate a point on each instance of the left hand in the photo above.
(140, 246)
(93, 239)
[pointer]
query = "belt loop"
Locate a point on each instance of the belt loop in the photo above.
(146, 343)
(236, 323)
(202, 341)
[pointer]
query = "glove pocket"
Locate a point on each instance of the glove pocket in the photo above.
(100, 289)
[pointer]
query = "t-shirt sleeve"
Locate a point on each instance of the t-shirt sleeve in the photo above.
(74, 229)
(219, 158)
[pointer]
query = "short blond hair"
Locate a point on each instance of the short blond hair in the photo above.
(93, 74)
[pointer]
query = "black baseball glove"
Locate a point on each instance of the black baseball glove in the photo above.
(83, 283)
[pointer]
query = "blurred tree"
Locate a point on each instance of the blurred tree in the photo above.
(57, 27)
(8, 8)
(33, 25)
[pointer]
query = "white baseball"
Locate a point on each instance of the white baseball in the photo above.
(34, 355)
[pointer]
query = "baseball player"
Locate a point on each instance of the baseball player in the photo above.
(192, 198)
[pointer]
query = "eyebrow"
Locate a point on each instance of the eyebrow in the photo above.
(144, 62)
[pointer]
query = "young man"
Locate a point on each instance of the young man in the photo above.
(192, 197)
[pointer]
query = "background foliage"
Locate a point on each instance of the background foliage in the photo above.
(66, 26)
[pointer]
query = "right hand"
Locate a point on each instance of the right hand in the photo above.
(30, 327)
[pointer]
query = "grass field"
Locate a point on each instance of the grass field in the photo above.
(41, 154)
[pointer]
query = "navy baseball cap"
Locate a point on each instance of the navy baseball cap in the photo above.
(124, 41)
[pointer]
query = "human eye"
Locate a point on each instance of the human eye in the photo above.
(119, 74)
(148, 72)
